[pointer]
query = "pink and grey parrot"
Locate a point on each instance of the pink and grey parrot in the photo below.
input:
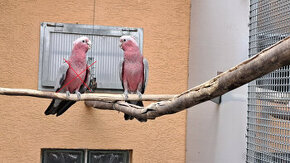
(67, 80)
(133, 70)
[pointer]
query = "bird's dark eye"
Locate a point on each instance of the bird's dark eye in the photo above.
(83, 41)
(124, 40)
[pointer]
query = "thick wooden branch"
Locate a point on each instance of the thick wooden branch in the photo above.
(270, 59)
(86, 96)
(266, 61)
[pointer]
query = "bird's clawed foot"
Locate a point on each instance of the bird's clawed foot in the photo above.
(67, 94)
(125, 94)
(78, 95)
(139, 94)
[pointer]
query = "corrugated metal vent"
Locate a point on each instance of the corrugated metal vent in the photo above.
(56, 45)
(268, 127)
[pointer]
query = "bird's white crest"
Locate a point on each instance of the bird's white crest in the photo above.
(81, 39)
(127, 37)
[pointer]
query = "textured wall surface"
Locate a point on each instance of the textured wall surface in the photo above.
(218, 41)
(24, 129)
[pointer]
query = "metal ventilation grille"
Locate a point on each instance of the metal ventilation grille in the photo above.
(56, 45)
(268, 127)
(105, 51)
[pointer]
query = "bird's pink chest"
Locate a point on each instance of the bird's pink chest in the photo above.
(133, 74)
(74, 81)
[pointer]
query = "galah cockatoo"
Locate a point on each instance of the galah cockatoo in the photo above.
(133, 70)
(67, 80)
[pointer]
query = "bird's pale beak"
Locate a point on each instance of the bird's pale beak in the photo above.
(89, 44)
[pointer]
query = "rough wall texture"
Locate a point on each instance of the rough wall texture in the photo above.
(24, 129)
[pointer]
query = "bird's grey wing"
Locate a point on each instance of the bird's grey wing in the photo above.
(87, 80)
(146, 71)
(57, 104)
(61, 75)
(60, 106)
(121, 71)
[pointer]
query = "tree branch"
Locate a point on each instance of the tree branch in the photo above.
(86, 96)
(270, 59)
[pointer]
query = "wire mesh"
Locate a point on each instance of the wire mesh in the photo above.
(268, 126)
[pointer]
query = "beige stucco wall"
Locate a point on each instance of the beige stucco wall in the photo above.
(24, 129)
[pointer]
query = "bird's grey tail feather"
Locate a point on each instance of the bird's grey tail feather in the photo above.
(50, 108)
(64, 105)
(60, 109)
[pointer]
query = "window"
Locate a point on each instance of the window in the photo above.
(84, 156)
(98, 156)
(56, 44)
(62, 156)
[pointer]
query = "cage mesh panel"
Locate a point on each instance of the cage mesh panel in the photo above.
(268, 125)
